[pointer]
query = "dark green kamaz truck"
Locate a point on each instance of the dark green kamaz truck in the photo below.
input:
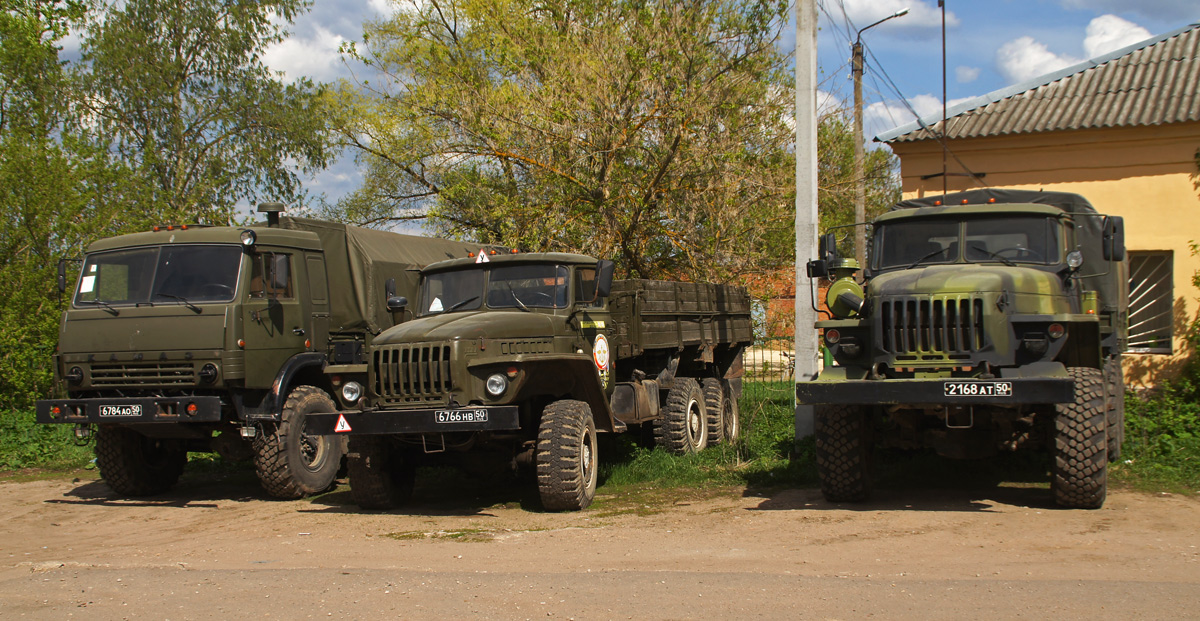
(195, 338)
(989, 321)
(525, 358)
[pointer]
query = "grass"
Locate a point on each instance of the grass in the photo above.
(1161, 453)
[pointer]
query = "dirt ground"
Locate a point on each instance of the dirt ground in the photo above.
(221, 549)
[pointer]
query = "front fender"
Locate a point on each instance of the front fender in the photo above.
(562, 376)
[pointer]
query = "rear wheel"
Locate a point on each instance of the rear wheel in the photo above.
(1080, 472)
(135, 465)
(721, 410)
(843, 448)
(683, 425)
(1114, 388)
(291, 463)
(380, 476)
(567, 456)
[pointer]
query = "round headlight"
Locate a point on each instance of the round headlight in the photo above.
(75, 375)
(1074, 259)
(351, 391)
(496, 385)
(248, 238)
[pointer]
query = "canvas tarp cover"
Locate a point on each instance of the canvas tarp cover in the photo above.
(358, 263)
(1109, 280)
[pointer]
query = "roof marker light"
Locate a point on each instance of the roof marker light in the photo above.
(937, 203)
(992, 200)
(471, 254)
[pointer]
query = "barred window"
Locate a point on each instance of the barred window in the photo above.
(1151, 302)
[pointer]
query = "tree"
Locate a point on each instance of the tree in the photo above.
(835, 174)
(182, 93)
(656, 133)
(50, 177)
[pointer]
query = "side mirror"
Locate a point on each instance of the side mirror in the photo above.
(62, 275)
(389, 289)
(827, 248)
(1114, 238)
(604, 277)
(396, 304)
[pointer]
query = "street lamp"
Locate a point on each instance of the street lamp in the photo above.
(860, 187)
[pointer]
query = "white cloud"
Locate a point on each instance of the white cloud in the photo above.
(315, 57)
(1109, 33)
(881, 116)
(920, 13)
(966, 75)
(1024, 59)
(828, 103)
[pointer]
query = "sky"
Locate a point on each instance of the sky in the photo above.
(990, 44)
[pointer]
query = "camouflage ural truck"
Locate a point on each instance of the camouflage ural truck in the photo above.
(195, 338)
(525, 358)
(990, 320)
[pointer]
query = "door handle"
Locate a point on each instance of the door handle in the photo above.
(298, 331)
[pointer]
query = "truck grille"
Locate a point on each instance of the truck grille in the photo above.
(945, 325)
(143, 374)
(408, 373)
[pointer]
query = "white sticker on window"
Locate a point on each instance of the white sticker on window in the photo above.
(87, 283)
(436, 307)
(92, 268)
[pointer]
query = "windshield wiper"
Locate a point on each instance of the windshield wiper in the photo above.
(996, 256)
(462, 303)
(98, 302)
(185, 301)
(928, 256)
(517, 299)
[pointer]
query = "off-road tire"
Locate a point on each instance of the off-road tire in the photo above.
(1114, 388)
(567, 456)
(843, 448)
(723, 423)
(135, 465)
(380, 476)
(682, 426)
(1079, 478)
(291, 463)
(732, 422)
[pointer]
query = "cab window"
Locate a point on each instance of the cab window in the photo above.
(271, 276)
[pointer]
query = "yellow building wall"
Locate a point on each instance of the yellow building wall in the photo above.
(1148, 175)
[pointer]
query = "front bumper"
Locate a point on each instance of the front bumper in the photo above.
(206, 409)
(1021, 391)
(415, 421)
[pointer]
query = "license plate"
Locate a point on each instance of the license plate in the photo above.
(978, 389)
(461, 416)
(121, 410)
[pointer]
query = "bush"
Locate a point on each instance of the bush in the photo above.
(1162, 435)
(26, 444)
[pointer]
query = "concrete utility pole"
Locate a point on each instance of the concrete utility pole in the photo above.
(806, 201)
(860, 184)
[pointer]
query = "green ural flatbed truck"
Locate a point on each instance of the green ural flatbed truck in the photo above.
(525, 358)
(197, 338)
(990, 320)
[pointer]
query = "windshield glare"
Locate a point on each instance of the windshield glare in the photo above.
(910, 243)
(171, 274)
(510, 286)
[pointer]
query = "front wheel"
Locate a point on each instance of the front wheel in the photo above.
(1080, 472)
(682, 426)
(135, 465)
(291, 463)
(1114, 388)
(843, 447)
(567, 456)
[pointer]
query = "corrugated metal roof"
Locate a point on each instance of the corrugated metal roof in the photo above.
(1153, 82)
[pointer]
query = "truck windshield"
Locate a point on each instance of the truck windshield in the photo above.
(160, 275)
(1009, 240)
(508, 286)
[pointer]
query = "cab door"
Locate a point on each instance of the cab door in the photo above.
(595, 325)
(275, 322)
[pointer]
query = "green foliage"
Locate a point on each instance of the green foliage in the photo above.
(26, 444)
(764, 457)
(1162, 435)
(654, 133)
(181, 94)
(835, 174)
